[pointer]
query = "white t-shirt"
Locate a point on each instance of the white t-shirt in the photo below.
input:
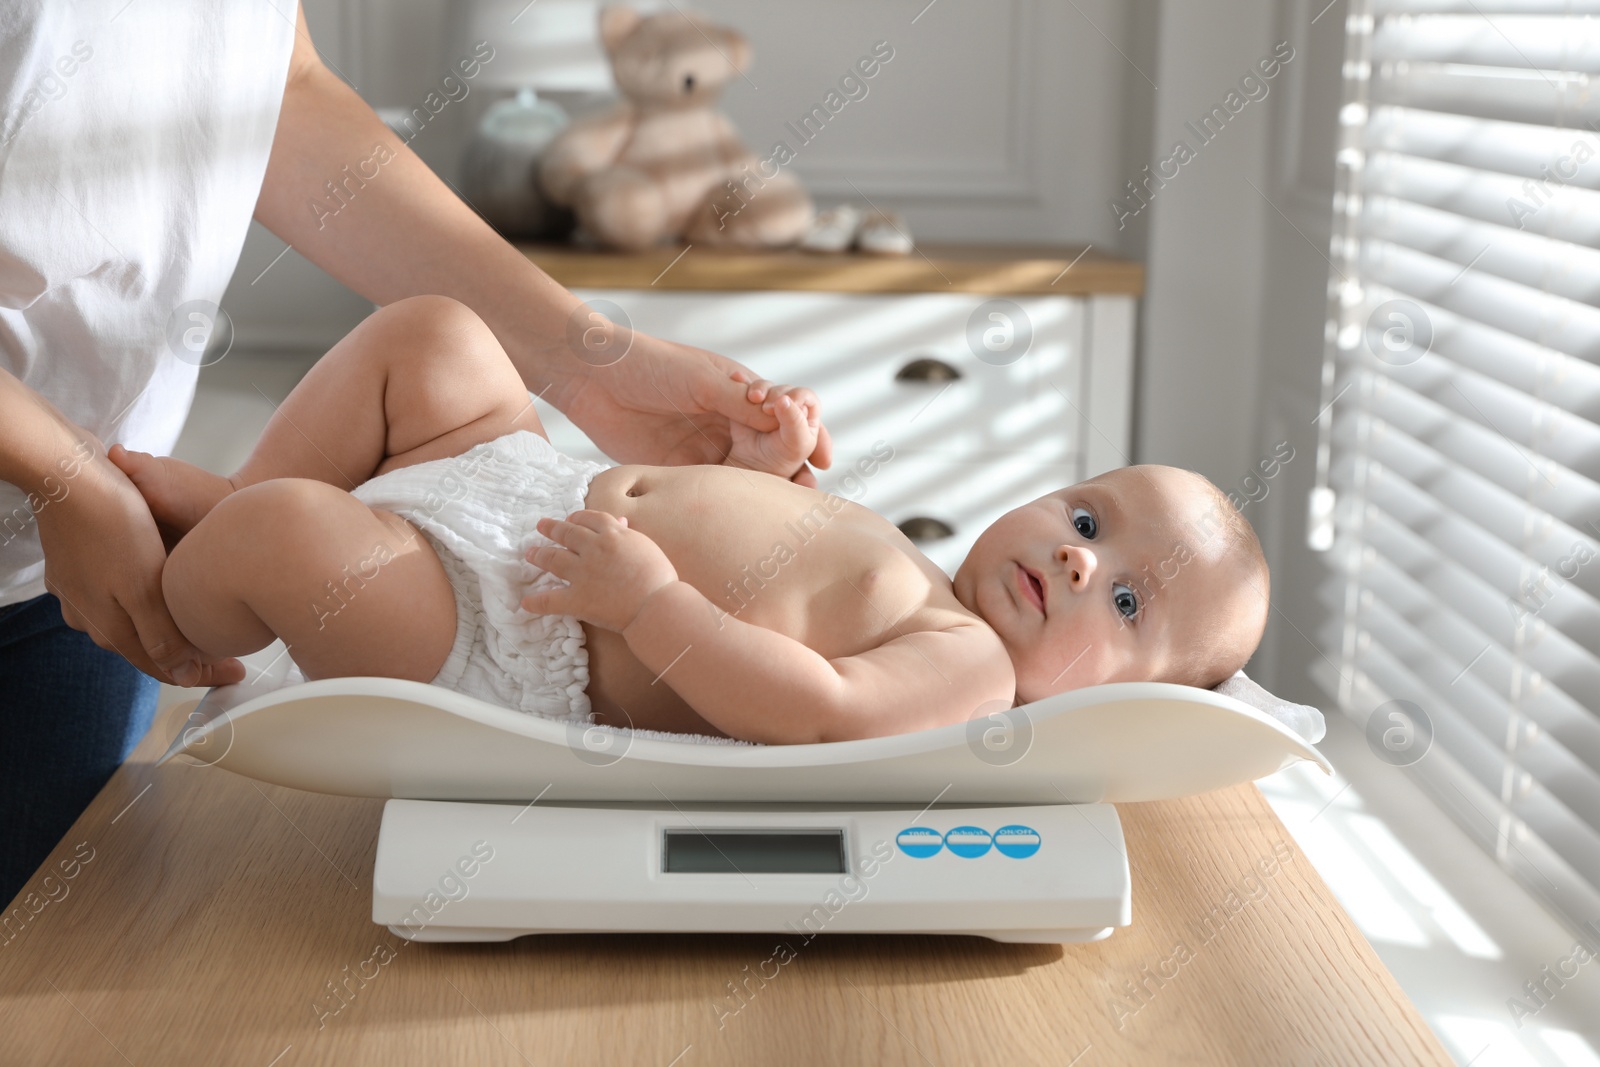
(133, 142)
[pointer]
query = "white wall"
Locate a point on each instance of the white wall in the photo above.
(1294, 286)
(1013, 121)
(1231, 346)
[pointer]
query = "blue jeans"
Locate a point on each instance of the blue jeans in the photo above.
(70, 713)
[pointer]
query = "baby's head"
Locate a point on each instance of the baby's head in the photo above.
(1142, 574)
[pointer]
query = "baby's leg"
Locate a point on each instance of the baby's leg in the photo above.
(422, 378)
(352, 590)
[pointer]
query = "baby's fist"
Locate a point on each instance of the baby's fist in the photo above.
(784, 450)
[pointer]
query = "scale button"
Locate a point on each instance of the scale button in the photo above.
(919, 842)
(968, 842)
(1018, 842)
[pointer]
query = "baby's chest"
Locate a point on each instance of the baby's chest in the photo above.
(839, 588)
(813, 566)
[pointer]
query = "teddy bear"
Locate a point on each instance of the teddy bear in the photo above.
(664, 163)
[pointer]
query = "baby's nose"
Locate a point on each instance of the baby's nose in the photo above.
(1080, 563)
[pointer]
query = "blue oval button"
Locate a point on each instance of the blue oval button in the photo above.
(919, 842)
(968, 842)
(1018, 842)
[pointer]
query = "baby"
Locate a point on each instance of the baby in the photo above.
(469, 553)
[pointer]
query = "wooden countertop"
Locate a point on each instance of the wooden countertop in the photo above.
(1016, 270)
(209, 918)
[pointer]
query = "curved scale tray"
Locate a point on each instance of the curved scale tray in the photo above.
(384, 737)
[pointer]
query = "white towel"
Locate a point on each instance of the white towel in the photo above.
(1303, 719)
(665, 735)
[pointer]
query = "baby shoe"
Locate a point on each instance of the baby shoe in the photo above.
(832, 230)
(884, 233)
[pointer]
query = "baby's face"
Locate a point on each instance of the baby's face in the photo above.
(1108, 580)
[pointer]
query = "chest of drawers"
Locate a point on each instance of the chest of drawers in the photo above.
(955, 388)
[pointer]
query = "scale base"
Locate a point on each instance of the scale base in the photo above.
(459, 934)
(450, 872)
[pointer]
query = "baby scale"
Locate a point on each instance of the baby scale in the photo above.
(499, 824)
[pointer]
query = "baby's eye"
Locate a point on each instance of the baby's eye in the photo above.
(1084, 523)
(1126, 600)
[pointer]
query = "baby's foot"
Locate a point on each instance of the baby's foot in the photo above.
(179, 494)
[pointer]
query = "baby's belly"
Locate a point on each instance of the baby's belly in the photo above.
(824, 571)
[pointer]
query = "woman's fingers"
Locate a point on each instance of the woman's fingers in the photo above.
(222, 672)
(163, 641)
(149, 639)
(767, 393)
(756, 389)
(736, 396)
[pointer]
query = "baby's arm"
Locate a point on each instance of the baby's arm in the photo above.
(750, 682)
(759, 685)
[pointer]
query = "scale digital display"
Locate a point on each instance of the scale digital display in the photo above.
(752, 852)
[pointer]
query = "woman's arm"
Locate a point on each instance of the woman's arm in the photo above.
(34, 436)
(103, 554)
(402, 232)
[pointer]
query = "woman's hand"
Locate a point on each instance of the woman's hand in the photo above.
(669, 404)
(609, 569)
(103, 559)
(782, 451)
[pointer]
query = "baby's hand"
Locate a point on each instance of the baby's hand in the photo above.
(785, 450)
(609, 569)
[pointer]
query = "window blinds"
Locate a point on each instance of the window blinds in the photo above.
(1459, 445)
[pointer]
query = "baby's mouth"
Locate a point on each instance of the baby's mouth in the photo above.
(1031, 587)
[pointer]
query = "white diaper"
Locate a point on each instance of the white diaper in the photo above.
(478, 511)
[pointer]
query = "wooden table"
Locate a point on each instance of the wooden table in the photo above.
(211, 919)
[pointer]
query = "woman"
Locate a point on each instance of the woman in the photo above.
(136, 142)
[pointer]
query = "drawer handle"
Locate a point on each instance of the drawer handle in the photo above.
(922, 528)
(927, 370)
